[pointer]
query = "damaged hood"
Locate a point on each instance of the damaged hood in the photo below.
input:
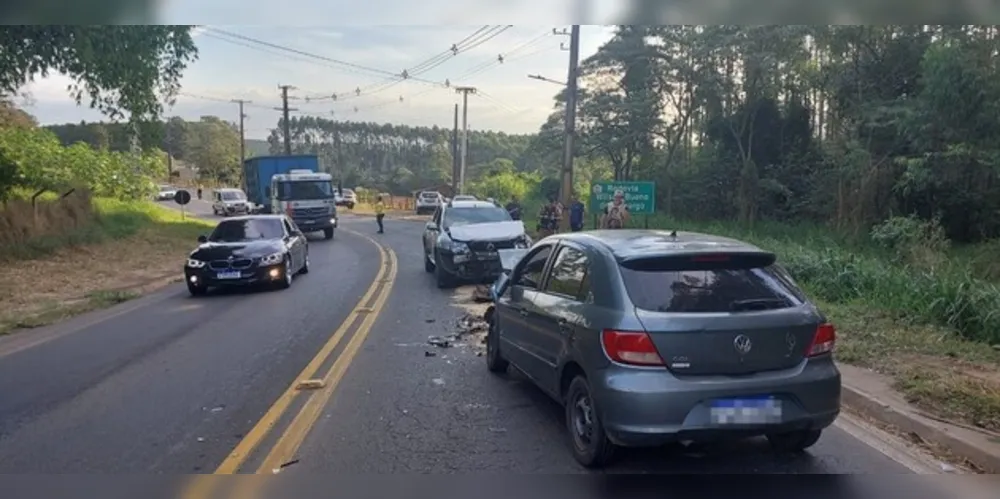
(489, 231)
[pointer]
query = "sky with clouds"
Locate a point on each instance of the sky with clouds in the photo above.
(231, 68)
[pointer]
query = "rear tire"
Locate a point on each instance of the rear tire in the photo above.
(328, 233)
(794, 442)
(305, 265)
(591, 446)
(494, 359)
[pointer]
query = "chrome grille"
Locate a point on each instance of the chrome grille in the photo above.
(242, 263)
(311, 212)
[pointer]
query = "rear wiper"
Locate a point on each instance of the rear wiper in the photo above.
(756, 304)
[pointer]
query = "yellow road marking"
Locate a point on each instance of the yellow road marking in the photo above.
(286, 447)
(202, 486)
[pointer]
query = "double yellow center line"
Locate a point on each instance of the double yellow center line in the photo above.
(360, 320)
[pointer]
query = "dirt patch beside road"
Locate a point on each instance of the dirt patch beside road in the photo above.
(80, 278)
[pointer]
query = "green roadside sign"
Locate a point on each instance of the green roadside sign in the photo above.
(640, 197)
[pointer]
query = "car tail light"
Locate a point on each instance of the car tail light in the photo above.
(823, 341)
(631, 347)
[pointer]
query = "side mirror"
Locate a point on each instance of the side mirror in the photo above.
(202, 239)
(431, 226)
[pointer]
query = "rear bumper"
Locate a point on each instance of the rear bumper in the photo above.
(645, 407)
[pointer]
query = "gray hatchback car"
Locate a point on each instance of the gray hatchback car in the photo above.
(652, 337)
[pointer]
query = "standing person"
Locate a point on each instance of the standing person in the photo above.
(199, 191)
(549, 217)
(615, 213)
(514, 208)
(576, 215)
(379, 214)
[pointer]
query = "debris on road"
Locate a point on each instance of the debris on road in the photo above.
(482, 294)
(430, 321)
(310, 384)
(439, 342)
(201, 439)
(429, 354)
(438, 381)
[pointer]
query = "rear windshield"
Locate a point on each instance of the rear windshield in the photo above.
(233, 196)
(429, 195)
(707, 288)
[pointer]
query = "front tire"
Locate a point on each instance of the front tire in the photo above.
(286, 275)
(328, 233)
(494, 359)
(441, 277)
(794, 442)
(591, 446)
(350, 206)
(428, 264)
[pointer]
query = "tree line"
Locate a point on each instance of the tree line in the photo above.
(849, 125)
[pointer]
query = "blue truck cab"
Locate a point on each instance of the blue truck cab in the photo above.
(294, 185)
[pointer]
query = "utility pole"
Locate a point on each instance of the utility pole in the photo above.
(465, 91)
(243, 140)
(287, 125)
(455, 162)
(571, 96)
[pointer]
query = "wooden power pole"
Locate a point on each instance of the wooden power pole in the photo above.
(287, 128)
(455, 168)
(571, 97)
(243, 139)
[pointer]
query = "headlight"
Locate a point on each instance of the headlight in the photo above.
(524, 242)
(272, 259)
(195, 264)
(455, 247)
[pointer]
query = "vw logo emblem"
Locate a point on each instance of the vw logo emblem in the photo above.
(491, 247)
(742, 344)
(790, 341)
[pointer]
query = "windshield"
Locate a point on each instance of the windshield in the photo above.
(305, 189)
(233, 196)
(348, 192)
(466, 216)
(235, 231)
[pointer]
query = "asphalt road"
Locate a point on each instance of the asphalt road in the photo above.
(171, 384)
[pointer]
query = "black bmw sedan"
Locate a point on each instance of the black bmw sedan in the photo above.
(248, 250)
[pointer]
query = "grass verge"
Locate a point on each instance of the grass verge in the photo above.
(106, 262)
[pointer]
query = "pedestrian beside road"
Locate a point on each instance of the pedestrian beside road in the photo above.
(576, 214)
(199, 191)
(380, 214)
(616, 213)
(514, 208)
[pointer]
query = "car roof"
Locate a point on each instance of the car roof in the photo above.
(629, 244)
(461, 203)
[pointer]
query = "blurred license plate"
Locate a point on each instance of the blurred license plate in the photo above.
(228, 275)
(746, 411)
(487, 255)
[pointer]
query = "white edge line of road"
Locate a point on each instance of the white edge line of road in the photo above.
(909, 456)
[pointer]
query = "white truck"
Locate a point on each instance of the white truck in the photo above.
(307, 197)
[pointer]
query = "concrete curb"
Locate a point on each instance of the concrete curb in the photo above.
(978, 448)
(390, 216)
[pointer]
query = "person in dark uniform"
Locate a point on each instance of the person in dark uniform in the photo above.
(576, 215)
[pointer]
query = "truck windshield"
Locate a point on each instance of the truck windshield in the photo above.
(305, 189)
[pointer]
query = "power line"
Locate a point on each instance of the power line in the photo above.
(501, 58)
(218, 99)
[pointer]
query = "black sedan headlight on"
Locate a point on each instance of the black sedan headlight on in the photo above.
(195, 264)
(273, 259)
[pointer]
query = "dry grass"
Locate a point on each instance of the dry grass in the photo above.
(127, 246)
(21, 223)
(933, 367)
